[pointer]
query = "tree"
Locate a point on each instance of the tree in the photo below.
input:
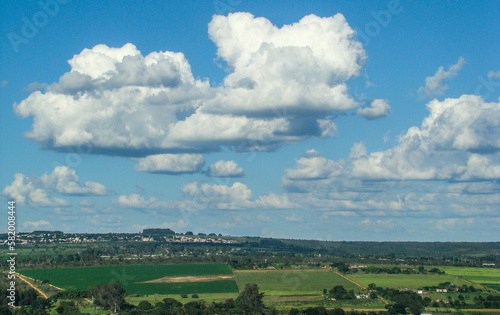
(144, 306)
(318, 310)
(396, 309)
(171, 303)
(250, 300)
(111, 296)
(343, 267)
(338, 292)
(67, 308)
(337, 311)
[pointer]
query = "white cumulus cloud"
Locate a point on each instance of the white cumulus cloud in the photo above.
(283, 85)
(36, 224)
(436, 85)
(225, 169)
(376, 109)
(171, 163)
(37, 191)
(494, 75)
(139, 202)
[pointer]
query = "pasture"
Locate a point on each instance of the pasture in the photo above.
(133, 278)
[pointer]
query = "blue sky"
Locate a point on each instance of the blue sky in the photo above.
(332, 120)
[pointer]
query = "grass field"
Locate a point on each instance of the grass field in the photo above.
(132, 276)
(403, 281)
(293, 282)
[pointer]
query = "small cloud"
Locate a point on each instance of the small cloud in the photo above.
(86, 203)
(293, 218)
(436, 85)
(171, 163)
(263, 218)
(87, 210)
(35, 224)
(225, 169)
(3, 83)
(376, 109)
(494, 75)
(368, 83)
(137, 201)
(387, 137)
(35, 86)
(451, 223)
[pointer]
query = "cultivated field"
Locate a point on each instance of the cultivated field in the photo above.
(488, 277)
(403, 281)
(134, 278)
(293, 282)
(286, 289)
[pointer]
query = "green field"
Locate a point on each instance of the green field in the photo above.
(132, 276)
(403, 281)
(207, 297)
(286, 289)
(488, 277)
(293, 282)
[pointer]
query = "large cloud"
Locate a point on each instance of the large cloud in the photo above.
(298, 68)
(36, 192)
(285, 83)
(114, 98)
(459, 140)
(457, 143)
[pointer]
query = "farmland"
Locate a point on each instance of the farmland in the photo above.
(293, 282)
(291, 274)
(484, 276)
(133, 277)
(402, 281)
(302, 288)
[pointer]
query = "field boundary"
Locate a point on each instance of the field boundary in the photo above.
(359, 285)
(476, 284)
(31, 285)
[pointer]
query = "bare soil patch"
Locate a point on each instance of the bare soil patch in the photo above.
(189, 279)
